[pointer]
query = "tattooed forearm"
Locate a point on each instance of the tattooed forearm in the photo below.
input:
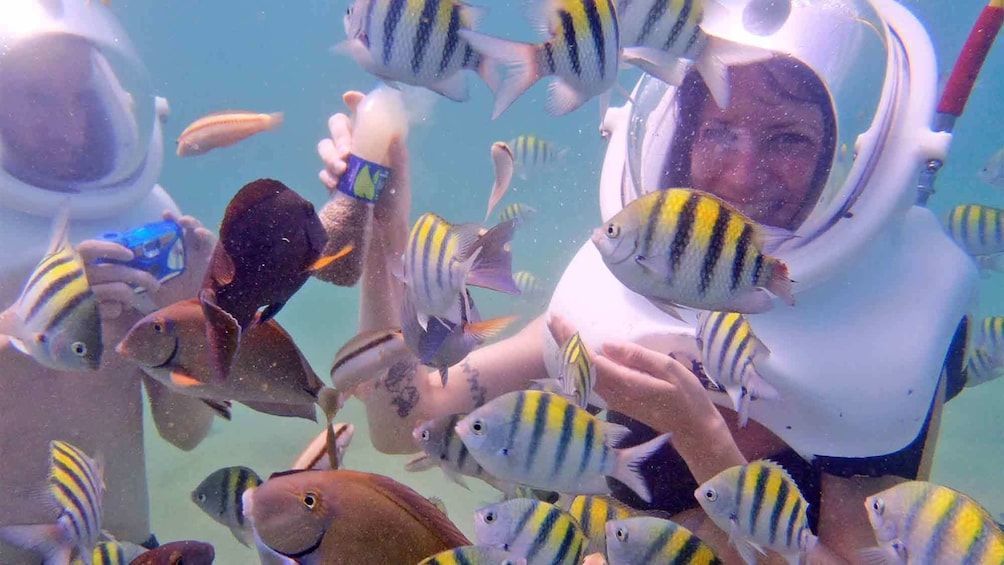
(400, 382)
(479, 393)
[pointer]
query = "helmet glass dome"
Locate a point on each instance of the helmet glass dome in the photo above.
(782, 149)
(76, 107)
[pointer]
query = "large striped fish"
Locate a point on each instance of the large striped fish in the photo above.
(593, 513)
(442, 447)
(535, 155)
(760, 506)
(581, 50)
(220, 496)
(76, 487)
(977, 229)
(921, 522)
(645, 540)
(542, 440)
(539, 532)
(55, 319)
(474, 555)
(686, 247)
(416, 42)
(728, 349)
(442, 258)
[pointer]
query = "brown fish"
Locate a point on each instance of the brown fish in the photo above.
(349, 518)
(223, 129)
(178, 553)
(269, 374)
(270, 241)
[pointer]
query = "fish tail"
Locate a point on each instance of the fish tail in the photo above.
(715, 60)
(628, 465)
(45, 539)
(323, 262)
(485, 330)
(521, 60)
(493, 267)
(780, 284)
(275, 120)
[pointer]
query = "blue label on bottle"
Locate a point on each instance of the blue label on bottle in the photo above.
(363, 179)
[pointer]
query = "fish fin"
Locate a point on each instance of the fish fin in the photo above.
(60, 237)
(323, 262)
(45, 539)
(770, 238)
(547, 385)
(472, 16)
(453, 87)
(444, 375)
(716, 58)
(492, 268)
(429, 344)
(220, 407)
(9, 322)
(222, 266)
(357, 50)
(614, 433)
(455, 476)
(538, 13)
(185, 381)
(562, 98)
(658, 63)
(305, 411)
(242, 535)
(780, 284)
(416, 505)
(520, 58)
(597, 401)
(268, 313)
(628, 463)
(667, 307)
(657, 268)
(223, 333)
(751, 301)
(504, 163)
(423, 320)
(487, 329)
(741, 401)
(878, 556)
(419, 463)
(275, 120)
(488, 69)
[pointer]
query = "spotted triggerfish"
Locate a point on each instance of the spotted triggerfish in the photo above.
(270, 241)
(348, 518)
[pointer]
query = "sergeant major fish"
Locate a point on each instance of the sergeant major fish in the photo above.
(977, 229)
(544, 441)
(535, 155)
(416, 42)
(75, 488)
(520, 213)
(539, 532)
(474, 555)
(686, 247)
(112, 553)
(55, 320)
(576, 371)
(645, 540)
(442, 447)
(220, 496)
(592, 513)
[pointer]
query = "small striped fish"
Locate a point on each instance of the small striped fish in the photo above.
(983, 366)
(535, 155)
(686, 247)
(541, 533)
(728, 349)
(442, 447)
(992, 333)
(518, 212)
(416, 42)
(112, 553)
(442, 258)
(76, 485)
(223, 129)
(367, 356)
(592, 513)
(474, 555)
(977, 229)
(544, 441)
(220, 496)
(55, 319)
(761, 506)
(576, 373)
(921, 522)
(528, 284)
(644, 540)
(582, 52)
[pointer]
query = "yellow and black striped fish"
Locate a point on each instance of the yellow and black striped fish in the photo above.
(582, 53)
(536, 531)
(921, 522)
(977, 229)
(416, 42)
(687, 247)
(983, 366)
(992, 333)
(55, 320)
(519, 212)
(442, 447)
(220, 495)
(645, 540)
(474, 555)
(529, 285)
(535, 155)
(728, 349)
(592, 513)
(576, 373)
(760, 504)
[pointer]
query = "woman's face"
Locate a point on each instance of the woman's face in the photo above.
(760, 154)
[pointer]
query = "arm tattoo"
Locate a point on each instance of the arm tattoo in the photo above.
(400, 382)
(479, 393)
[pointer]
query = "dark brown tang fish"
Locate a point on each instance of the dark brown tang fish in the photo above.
(270, 241)
(349, 518)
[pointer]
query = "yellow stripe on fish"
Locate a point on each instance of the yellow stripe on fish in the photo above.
(76, 484)
(220, 496)
(646, 540)
(531, 529)
(592, 513)
(977, 229)
(577, 373)
(473, 555)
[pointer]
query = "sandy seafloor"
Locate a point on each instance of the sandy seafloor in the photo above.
(269, 55)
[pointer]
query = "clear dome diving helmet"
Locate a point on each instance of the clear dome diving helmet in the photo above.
(878, 66)
(78, 119)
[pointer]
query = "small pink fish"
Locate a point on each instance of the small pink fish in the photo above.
(504, 162)
(222, 129)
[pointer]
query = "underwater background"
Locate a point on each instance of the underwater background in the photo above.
(272, 55)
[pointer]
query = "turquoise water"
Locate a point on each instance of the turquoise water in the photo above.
(269, 55)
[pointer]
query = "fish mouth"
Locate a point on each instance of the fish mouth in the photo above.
(303, 553)
(170, 357)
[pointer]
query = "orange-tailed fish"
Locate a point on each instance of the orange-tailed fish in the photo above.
(349, 518)
(502, 158)
(222, 129)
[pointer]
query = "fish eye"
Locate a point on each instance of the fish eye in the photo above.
(490, 517)
(878, 505)
(478, 427)
(621, 534)
(711, 495)
(613, 230)
(202, 497)
(79, 348)
(158, 327)
(425, 435)
(309, 500)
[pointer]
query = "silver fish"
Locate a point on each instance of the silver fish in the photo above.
(220, 496)
(541, 533)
